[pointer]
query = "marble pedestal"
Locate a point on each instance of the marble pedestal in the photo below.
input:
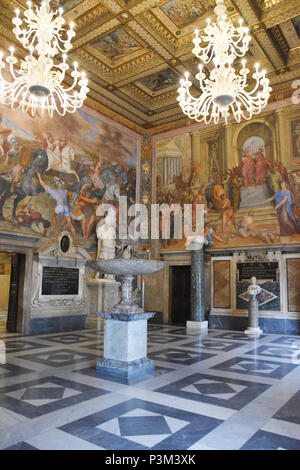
(103, 294)
(125, 345)
(253, 329)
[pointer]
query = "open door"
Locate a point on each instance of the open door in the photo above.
(181, 292)
(12, 311)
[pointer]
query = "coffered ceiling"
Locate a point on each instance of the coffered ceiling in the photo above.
(135, 51)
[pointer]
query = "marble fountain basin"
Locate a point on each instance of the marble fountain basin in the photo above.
(127, 267)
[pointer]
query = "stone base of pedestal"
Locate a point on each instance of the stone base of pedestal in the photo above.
(125, 345)
(253, 331)
(197, 325)
(123, 369)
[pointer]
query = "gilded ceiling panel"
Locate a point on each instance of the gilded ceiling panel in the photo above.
(135, 51)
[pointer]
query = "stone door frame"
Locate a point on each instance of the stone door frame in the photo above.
(22, 244)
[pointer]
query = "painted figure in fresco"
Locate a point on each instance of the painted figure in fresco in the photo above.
(261, 167)
(247, 168)
(196, 174)
(32, 218)
(274, 179)
(61, 158)
(84, 209)
(295, 185)
(297, 138)
(23, 183)
(227, 215)
(234, 188)
(283, 200)
(283, 172)
(60, 154)
(211, 235)
(246, 227)
(213, 157)
(96, 175)
(62, 207)
(208, 192)
(5, 144)
(217, 193)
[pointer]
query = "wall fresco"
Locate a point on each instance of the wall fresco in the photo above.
(54, 173)
(250, 189)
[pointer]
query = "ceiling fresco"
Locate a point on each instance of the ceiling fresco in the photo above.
(135, 51)
(184, 12)
(159, 80)
(115, 44)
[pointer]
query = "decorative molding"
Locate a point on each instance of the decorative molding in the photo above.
(112, 6)
(91, 15)
(138, 29)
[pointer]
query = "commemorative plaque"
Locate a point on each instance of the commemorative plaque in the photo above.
(60, 281)
(267, 271)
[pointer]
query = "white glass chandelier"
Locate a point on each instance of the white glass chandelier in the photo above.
(37, 84)
(224, 91)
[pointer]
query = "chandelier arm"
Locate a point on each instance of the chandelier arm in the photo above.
(75, 81)
(20, 90)
(68, 101)
(248, 105)
(12, 71)
(26, 104)
(254, 90)
(66, 44)
(51, 106)
(61, 100)
(236, 113)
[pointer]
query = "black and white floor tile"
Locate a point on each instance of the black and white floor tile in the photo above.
(207, 390)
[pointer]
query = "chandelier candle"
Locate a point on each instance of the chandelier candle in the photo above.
(224, 91)
(38, 83)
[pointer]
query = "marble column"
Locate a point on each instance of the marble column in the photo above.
(197, 292)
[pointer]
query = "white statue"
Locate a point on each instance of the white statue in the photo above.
(127, 252)
(106, 234)
(254, 289)
(194, 242)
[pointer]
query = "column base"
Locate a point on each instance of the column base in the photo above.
(253, 331)
(125, 370)
(197, 325)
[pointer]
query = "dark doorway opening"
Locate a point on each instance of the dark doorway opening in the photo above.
(180, 294)
(12, 285)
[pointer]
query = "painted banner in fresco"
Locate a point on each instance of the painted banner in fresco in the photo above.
(54, 173)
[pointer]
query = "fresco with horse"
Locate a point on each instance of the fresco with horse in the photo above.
(54, 173)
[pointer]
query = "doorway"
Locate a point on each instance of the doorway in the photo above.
(180, 294)
(5, 270)
(12, 272)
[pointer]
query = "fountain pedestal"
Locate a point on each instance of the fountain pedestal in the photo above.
(125, 328)
(125, 345)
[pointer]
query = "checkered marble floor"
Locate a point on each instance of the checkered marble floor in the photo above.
(216, 391)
